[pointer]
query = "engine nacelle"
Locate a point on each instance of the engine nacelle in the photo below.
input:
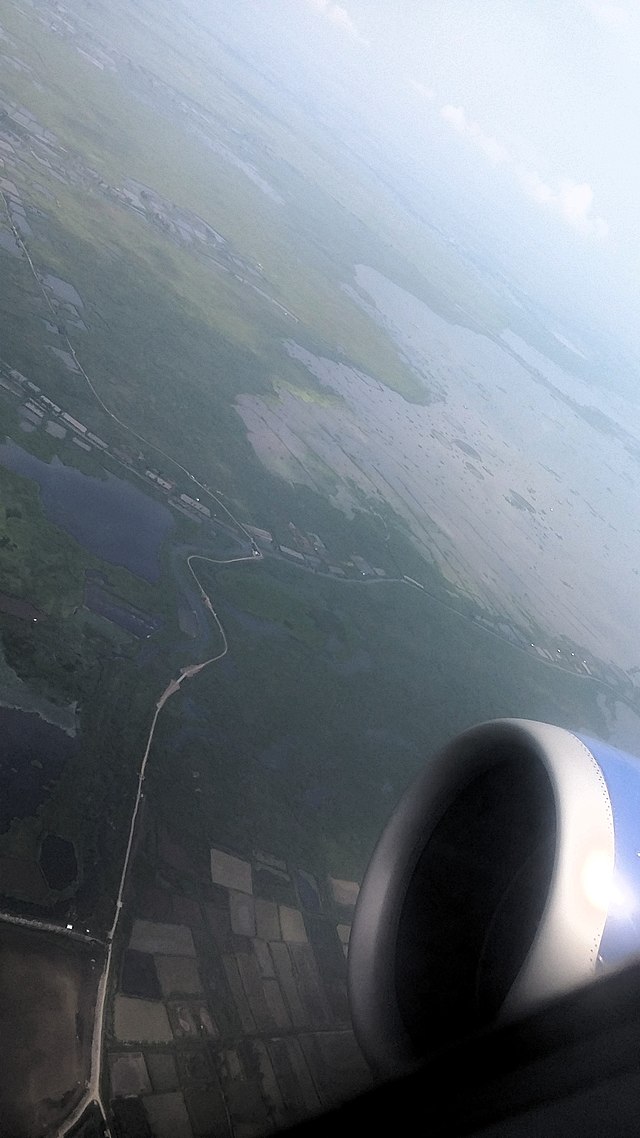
(508, 874)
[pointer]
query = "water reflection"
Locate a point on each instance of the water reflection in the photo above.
(108, 516)
(32, 756)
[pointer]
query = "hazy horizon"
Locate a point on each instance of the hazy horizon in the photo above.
(523, 116)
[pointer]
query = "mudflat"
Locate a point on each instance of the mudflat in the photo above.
(47, 995)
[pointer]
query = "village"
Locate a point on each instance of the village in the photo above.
(22, 140)
(38, 412)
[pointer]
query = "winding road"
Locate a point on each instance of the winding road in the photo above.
(188, 671)
(92, 1091)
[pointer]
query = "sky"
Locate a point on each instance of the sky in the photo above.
(548, 90)
(535, 101)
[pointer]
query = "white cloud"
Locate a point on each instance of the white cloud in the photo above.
(490, 147)
(613, 15)
(421, 89)
(534, 186)
(455, 116)
(572, 201)
(338, 16)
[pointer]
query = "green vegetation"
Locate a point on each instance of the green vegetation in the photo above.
(304, 750)
(42, 564)
(91, 803)
(264, 596)
(135, 141)
(71, 657)
(39, 562)
(333, 693)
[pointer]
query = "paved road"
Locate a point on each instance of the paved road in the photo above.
(188, 671)
(49, 927)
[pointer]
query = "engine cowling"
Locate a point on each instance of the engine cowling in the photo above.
(508, 874)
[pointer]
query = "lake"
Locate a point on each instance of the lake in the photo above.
(524, 505)
(58, 862)
(126, 616)
(32, 756)
(108, 516)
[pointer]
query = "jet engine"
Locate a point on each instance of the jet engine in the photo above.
(508, 874)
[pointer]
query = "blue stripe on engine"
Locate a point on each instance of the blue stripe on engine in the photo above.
(621, 936)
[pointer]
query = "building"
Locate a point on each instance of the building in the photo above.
(188, 513)
(123, 455)
(31, 406)
(49, 403)
(10, 385)
(541, 652)
(293, 553)
(261, 535)
(317, 543)
(76, 426)
(300, 538)
(28, 416)
(80, 443)
(361, 565)
(17, 375)
(96, 440)
(194, 504)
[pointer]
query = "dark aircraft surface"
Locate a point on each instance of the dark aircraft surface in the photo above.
(490, 950)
